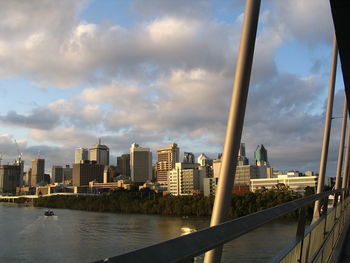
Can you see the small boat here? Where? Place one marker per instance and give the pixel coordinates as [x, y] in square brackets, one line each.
[49, 213]
[187, 230]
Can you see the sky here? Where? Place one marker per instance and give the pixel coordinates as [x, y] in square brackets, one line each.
[161, 71]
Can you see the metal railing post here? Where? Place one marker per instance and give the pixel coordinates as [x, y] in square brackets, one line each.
[345, 180]
[341, 145]
[327, 129]
[235, 121]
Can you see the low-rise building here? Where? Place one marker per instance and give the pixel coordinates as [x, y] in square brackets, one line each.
[295, 183]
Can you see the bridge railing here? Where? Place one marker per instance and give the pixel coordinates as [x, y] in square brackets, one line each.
[311, 244]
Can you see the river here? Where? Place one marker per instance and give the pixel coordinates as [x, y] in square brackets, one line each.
[78, 236]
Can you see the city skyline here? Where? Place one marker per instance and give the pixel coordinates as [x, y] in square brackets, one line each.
[153, 74]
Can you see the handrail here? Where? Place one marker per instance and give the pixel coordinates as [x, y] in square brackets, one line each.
[194, 244]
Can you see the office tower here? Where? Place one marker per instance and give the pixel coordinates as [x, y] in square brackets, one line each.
[10, 178]
[184, 178]
[123, 164]
[99, 153]
[242, 159]
[140, 163]
[81, 155]
[57, 174]
[38, 170]
[83, 173]
[260, 156]
[167, 158]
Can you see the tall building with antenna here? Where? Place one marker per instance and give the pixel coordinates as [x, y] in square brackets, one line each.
[99, 153]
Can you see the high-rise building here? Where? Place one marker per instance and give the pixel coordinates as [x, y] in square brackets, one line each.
[123, 164]
[167, 158]
[57, 174]
[140, 163]
[81, 155]
[10, 178]
[242, 158]
[83, 173]
[38, 170]
[184, 179]
[260, 156]
[99, 153]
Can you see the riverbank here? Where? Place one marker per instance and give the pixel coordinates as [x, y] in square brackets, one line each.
[148, 202]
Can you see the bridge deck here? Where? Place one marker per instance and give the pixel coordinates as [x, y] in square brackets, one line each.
[345, 253]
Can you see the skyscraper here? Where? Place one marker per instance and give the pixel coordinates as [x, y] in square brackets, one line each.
[167, 158]
[140, 163]
[38, 170]
[81, 155]
[260, 156]
[99, 153]
[242, 158]
[57, 174]
[123, 164]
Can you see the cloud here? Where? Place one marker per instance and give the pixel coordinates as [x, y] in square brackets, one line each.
[308, 21]
[179, 8]
[167, 77]
[39, 118]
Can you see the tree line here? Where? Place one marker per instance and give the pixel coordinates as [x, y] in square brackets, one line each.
[147, 201]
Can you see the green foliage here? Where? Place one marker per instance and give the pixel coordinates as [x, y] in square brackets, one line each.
[148, 202]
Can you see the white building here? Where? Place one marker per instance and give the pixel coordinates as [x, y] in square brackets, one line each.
[204, 160]
[140, 163]
[81, 155]
[295, 183]
[184, 179]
